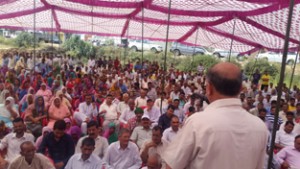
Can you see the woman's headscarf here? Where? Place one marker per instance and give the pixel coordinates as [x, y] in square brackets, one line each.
[56, 98]
[11, 100]
[46, 129]
[2, 96]
[39, 108]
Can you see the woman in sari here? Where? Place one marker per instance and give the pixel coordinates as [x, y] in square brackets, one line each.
[20, 65]
[29, 101]
[23, 89]
[8, 112]
[45, 131]
[57, 111]
[4, 94]
[36, 116]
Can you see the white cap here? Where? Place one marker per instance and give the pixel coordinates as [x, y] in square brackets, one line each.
[145, 116]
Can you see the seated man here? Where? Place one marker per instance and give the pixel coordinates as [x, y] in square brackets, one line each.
[30, 159]
[13, 140]
[156, 145]
[60, 145]
[285, 137]
[142, 133]
[170, 133]
[101, 143]
[87, 111]
[86, 159]
[289, 157]
[153, 162]
[110, 112]
[165, 119]
[123, 154]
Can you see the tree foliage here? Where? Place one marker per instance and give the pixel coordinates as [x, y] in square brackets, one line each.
[79, 48]
[24, 39]
[187, 64]
[261, 65]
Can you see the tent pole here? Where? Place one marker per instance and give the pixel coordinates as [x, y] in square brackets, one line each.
[34, 35]
[283, 63]
[52, 34]
[166, 52]
[195, 45]
[142, 37]
[294, 67]
[231, 43]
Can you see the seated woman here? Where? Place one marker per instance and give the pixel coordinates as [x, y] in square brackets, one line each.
[8, 112]
[29, 101]
[57, 111]
[36, 116]
[46, 130]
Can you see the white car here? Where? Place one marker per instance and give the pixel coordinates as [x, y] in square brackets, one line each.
[277, 57]
[136, 45]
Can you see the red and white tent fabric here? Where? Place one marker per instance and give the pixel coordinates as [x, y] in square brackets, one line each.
[258, 23]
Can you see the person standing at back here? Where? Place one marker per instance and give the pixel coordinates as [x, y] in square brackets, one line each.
[224, 135]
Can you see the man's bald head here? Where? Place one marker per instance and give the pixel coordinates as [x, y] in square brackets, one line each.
[226, 78]
[154, 161]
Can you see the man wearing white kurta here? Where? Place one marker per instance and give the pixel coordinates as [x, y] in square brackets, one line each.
[224, 135]
[87, 111]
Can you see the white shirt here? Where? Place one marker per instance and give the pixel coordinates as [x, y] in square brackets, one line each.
[76, 162]
[122, 106]
[12, 143]
[186, 90]
[140, 102]
[169, 134]
[126, 115]
[118, 158]
[153, 113]
[285, 139]
[101, 145]
[140, 135]
[157, 103]
[111, 111]
[89, 110]
[223, 136]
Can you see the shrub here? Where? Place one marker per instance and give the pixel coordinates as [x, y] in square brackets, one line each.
[24, 39]
[261, 65]
[79, 48]
[187, 64]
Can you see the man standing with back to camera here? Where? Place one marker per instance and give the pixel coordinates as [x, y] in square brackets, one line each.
[224, 135]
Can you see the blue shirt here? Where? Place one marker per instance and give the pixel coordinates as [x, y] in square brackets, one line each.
[59, 151]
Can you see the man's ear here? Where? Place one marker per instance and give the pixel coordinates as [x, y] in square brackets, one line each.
[209, 89]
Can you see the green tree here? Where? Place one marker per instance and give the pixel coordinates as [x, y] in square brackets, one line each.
[24, 39]
[79, 48]
[262, 65]
[187, 64]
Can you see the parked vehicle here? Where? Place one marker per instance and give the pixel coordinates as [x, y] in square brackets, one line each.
[219, 53]
[182, 49]
[277, 57]
[136, 45]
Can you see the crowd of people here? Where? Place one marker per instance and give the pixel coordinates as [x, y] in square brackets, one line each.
[60, 113]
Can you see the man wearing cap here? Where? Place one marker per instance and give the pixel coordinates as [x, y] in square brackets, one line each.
[137, 120]
[46, 93]
[142, 133]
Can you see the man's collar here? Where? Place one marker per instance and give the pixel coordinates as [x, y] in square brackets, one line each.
[15, 135]
[87, 160]
[119, 145]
